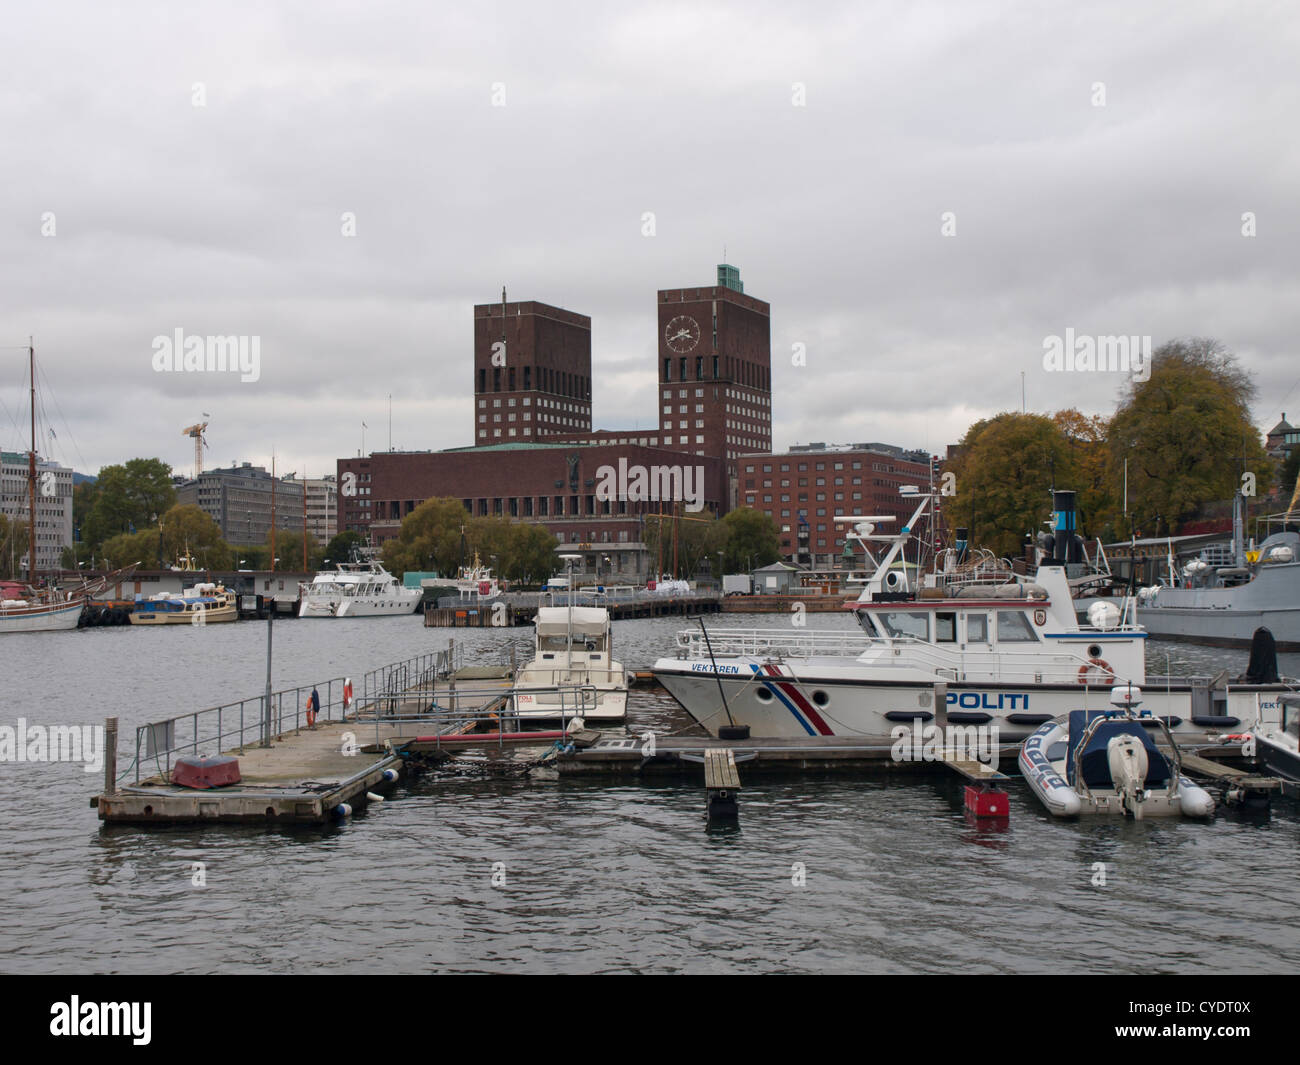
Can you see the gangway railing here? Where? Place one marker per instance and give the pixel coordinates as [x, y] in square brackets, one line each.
[244, 723]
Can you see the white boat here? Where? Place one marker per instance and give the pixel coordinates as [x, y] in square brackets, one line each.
[572, 667]
[474, 582]
[357, 589]
[203, 604]
[1010, 656]
[1278, 746]
[1106, 762]
[33, 614]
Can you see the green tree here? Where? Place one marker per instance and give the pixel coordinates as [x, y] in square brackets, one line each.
[189, 529]
[692, 538]
[1005, 470]
[1099, 492]
[13, 545]
[135, 495]
[339, 549]
[751, 540]
[288, 549]
[430, 538]
[1186, 433]
[127, 549]
[530, 554]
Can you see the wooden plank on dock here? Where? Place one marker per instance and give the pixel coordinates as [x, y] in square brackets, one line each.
[973, 769]
[1226, 774]
[720, 769]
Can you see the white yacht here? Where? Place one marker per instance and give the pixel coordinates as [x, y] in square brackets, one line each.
[572, 666]
[1014, 656]
[357, 589]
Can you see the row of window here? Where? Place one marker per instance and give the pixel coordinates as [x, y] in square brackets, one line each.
[558, 382]
[746, 373]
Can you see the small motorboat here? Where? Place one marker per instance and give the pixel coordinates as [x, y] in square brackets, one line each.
[204, 604]
[1106, 762]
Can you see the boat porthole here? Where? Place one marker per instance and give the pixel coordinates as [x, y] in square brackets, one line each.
[820, 697]
[763, 695]
[1094, 651]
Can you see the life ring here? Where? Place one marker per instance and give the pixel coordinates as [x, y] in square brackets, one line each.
[347, 692]
[1107, 674]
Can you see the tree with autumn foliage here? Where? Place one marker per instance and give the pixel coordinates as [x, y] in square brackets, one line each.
[1005, 470]
[1098, 491]
[1187, 434]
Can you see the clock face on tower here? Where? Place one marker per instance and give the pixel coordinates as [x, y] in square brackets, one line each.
[682, 334]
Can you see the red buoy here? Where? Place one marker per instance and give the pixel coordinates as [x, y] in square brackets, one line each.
[987, 802]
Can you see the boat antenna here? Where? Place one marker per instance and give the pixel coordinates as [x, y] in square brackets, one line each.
[569, 560]
[713, 662]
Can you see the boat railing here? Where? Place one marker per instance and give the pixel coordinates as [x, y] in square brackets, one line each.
[464, 709]
[692, 643]
[243, 723]
[600, 674]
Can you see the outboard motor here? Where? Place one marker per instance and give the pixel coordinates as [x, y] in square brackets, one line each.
[1127, 758]
[1262, 668]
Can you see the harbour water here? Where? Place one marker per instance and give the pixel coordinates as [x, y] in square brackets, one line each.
[466, 871]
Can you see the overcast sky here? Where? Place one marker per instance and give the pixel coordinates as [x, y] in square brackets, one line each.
[820, 145]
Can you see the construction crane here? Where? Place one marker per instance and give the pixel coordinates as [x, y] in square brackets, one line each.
[196, 431]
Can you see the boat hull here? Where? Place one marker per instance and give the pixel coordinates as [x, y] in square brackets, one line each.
[1228, 617]
[795, 698]
[41, 618]
[189, 617]
[1278, 757]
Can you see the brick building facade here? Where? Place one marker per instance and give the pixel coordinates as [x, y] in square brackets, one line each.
[802, 489]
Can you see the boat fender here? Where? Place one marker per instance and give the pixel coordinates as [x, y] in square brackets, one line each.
[374, 796]
[1099, 664]
[343, 810]
[1194, 801]
[390, 775]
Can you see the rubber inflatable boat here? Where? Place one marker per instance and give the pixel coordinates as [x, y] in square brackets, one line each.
[1106, 762]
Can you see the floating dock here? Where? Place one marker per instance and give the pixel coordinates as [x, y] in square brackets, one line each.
[431, 709]
[301, 778]
[501, 613]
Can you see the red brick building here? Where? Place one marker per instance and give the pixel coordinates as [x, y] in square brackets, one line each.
[555, 485]
[804, 488]
[534, 454]
[715, 370]
[532, 372]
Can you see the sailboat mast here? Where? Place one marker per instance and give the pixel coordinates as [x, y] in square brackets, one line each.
[272, 566]
[31, 473]
[304, 519]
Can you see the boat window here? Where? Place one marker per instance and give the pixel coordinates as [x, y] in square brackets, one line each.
[945, 627]
[1291, 720]
[1014, 627]
[898, 623]
[977, 628]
